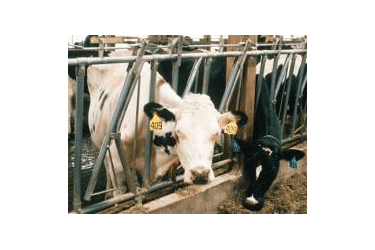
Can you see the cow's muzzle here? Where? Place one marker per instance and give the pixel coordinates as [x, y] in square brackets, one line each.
[199, 175]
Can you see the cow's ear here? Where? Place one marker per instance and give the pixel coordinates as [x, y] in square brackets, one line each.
[288, 154]
[152, 107]
[238, 116]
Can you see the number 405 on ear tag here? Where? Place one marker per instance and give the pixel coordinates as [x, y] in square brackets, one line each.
[155, 123]
[231, 128]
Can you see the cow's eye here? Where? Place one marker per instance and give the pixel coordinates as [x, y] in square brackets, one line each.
[179, 133]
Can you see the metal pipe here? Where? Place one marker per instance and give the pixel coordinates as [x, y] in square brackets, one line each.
[260, 81]
[233, 77]
[196, 81]
[124, 95]
[275, 67]
[239, 89]
[149, 135]
[103, 192]
[80, 73]
[176, 65]
[124, 59]
[298, 93]
[107, 203]
[132, 45]
[238, 76]
[192, 76]
[281, 76]
[129, 175]
[135, 143]
[129, 196]
[206, 75]
[113, 176]
[287, 94]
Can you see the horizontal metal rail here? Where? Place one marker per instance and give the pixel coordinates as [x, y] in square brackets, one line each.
[153, 188]
[125, 59]
[131, 46]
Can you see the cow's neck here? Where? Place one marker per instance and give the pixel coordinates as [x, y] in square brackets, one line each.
[266, 121]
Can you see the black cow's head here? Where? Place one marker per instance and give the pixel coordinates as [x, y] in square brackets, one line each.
[261, 165]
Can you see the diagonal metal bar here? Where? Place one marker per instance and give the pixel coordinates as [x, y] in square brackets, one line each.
[298, 93]
[281, 77]
[124, 95]
[192, 76]
[287, 94]
[233, 76]
[274, 69]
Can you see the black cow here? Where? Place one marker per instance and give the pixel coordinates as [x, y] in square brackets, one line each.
[262, 155]
[281, 94]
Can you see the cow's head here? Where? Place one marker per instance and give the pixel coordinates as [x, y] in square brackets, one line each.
[190, 130]
[261, 165]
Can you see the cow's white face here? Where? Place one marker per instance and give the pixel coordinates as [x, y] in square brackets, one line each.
[195, 125]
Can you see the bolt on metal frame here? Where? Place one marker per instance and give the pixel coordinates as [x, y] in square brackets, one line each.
[128, 87]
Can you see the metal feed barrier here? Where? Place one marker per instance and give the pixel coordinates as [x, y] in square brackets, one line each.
[219, 161]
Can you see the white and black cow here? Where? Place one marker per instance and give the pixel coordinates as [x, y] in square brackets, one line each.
[189, 131]
[263, 153]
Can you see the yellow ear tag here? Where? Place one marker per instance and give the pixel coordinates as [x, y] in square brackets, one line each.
[156, 124]
[231, 128]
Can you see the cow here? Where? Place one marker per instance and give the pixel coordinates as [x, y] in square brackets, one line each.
[263, 153]
[72, 74]
[190, 126]
[279, 104]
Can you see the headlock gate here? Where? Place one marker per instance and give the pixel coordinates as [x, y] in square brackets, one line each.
[280, 90]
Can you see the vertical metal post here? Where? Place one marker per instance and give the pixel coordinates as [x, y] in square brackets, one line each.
[287, 94]
[206, 76]
[176, 65]
[154, 68]
[298, 93]
[80, 73]
[260, 80]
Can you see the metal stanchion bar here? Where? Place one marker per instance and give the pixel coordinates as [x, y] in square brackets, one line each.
[192, 76]
[80, 72]
[287, 94]
[124, 95]
[233, 76]
[124, 59]
[129, 175]
[206, 75]
[274, 69]
[149, 135]
[260, 80]
[176, 65]
[113, 176]
[298, 93]
[281, 76]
